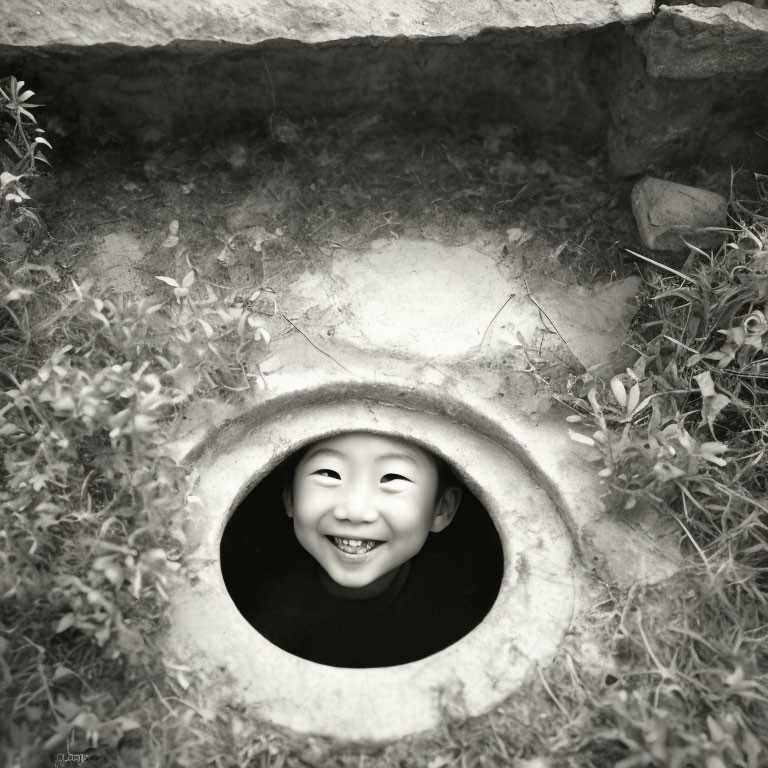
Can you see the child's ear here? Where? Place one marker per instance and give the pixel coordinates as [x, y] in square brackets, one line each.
[288, 499]
[446, 508]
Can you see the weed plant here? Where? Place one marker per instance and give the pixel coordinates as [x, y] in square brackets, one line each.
[21, 140]
[92, 507]
[685, 432]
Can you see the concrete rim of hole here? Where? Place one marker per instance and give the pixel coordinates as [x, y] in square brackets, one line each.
[532, 612]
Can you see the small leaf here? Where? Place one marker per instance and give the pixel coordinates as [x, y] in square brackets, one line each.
[207, 328]
[735, 679]
[168, 281]
[17, 294]
[189, 279]
[41, 140]
[65, 622]
[241, 323]
[706, 385]
[712, 407]
[716, 732]
[173, 227]
[126, 723]
[633, 398]
[712, 452]
[579, 438]
[61, 672]
[28, 114]
[618, 390]
[171, 241]
[8, 178]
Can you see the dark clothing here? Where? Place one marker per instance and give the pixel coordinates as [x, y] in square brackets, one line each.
[435, 599]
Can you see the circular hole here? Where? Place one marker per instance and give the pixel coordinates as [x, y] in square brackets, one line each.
[433, 600]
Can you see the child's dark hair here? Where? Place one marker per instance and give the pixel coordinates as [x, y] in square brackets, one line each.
[445, 475]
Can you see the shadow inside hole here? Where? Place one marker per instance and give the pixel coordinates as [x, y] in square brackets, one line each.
[259, 541]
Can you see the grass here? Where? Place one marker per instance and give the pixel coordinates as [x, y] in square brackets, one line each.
[672, 674]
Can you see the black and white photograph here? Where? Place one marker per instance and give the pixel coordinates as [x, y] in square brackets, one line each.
[383, 384]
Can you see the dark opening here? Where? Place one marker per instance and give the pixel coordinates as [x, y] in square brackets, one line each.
[444, 592]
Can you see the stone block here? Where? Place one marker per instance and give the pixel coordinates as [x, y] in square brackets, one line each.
[249, 22]
[668, 214]
[690, 42]
[715, 3]
[653, 121]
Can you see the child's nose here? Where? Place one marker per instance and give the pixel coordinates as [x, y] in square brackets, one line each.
[357, 506]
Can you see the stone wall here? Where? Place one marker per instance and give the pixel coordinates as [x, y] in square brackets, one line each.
[685, 85]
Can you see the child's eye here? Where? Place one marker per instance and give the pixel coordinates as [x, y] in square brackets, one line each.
[391, 477]
[327, 473]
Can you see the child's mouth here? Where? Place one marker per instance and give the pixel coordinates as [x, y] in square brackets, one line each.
[354, 546]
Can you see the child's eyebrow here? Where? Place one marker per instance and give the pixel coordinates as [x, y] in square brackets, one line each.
[324, 452]
[404, 456]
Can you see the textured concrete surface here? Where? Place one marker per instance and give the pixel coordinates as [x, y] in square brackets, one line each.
[692, 43]
[592, 321]
[247, 22]
[430, 301]
[519, 462]
[670, 214]
[417, 348]
[532, 612]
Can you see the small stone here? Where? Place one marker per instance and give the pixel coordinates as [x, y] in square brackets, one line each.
[667, 214]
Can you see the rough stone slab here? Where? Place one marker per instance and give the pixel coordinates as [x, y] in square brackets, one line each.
[422, 299]
[689, 42]
[417, 295]
[248, 22]
[667, 213]
[593, 321]
[715, 3]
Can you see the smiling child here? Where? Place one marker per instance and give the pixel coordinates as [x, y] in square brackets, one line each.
[371, 586]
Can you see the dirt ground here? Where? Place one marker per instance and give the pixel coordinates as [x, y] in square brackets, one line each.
[253, 210]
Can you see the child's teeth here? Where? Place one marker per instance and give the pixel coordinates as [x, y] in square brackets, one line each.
[354, 546]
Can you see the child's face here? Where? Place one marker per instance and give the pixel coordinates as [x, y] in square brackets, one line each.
[363, 504]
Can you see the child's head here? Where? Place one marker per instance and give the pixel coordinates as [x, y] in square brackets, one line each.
[364, 504]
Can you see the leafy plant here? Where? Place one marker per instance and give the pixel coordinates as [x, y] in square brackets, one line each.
[685, 431]
[21, 135]
[92, 508]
